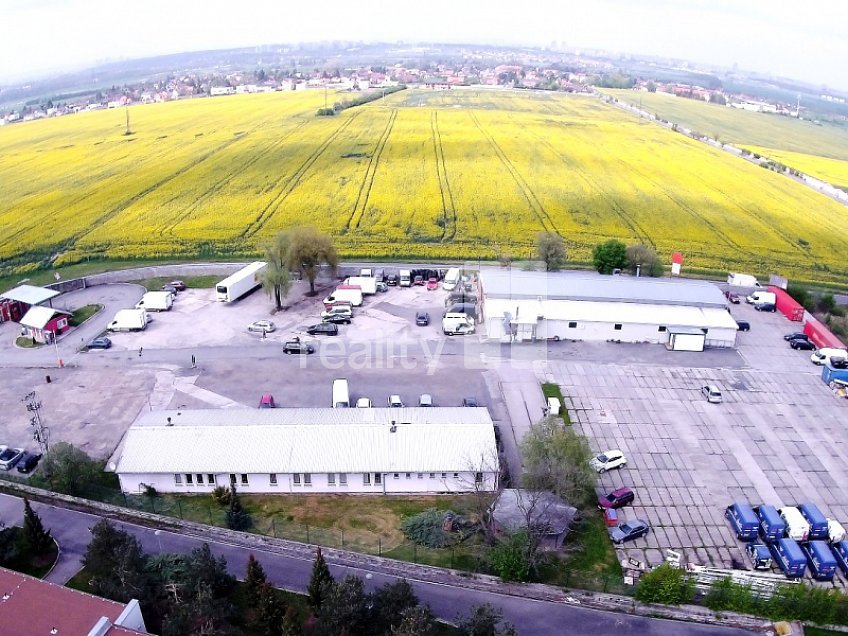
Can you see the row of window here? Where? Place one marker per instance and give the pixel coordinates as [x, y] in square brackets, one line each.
[300, 479]
[616, 326]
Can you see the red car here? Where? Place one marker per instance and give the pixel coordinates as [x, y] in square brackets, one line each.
[432, 283]
[267, 402]
[618, 498]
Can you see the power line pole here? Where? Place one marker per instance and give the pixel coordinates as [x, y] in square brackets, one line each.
[41, 433]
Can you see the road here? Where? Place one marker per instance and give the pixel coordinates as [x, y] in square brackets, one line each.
[71, 529]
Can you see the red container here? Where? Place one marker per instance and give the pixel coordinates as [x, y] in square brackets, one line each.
[787, 305]
[820, 335]
[611, 517]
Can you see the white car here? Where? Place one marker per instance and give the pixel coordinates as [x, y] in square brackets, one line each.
[823, 356]
[712, 394]
[425, 400]
[395, 402]
[364, 403]
[9, 457]
[262, 325]
[608, 460]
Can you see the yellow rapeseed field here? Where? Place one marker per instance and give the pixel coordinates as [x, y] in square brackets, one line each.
[422, 174]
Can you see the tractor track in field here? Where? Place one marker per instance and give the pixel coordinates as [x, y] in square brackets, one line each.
[529, 196]
[291, 182]
[170, 227]
[634, 227]
[448, 206]
[367, 183]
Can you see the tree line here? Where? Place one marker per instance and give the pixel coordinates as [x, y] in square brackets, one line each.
[607, 257]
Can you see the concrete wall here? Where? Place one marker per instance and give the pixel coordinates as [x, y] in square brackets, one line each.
[132, 483]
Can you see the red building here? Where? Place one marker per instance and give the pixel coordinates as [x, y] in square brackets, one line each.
[45, 323]
[16, 302]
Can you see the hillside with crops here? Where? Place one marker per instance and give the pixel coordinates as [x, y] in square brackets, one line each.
[459, 174]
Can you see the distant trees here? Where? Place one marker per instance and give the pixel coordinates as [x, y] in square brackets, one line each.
[550, 249]
[652, 88]
[308, 250]
[609, 255]
[644, 260]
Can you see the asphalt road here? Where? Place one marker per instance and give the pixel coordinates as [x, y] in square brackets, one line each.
[71, 529]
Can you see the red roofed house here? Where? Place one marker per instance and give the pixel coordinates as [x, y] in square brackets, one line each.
[45, 323]
[34, 607]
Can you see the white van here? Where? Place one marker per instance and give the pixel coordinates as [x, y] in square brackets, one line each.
[797, 527]
[457, 324]
[341, 395]
[759, 297]
[823, 356]
[451, 279]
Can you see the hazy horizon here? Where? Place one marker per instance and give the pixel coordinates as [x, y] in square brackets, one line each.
[767, 37]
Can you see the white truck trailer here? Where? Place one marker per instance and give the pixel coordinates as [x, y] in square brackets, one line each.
[368, 284]
[156, 301]
[742, 280]
[241, 283]
[129, 320]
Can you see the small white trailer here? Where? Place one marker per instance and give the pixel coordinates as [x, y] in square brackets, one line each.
[129, 320]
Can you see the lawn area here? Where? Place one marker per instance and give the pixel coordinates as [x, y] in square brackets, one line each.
[84, 313]
[553, 390]
[25, 342]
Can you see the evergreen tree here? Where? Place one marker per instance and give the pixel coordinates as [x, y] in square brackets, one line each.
[291, 624]
[36, 538]
[320, 584]
[237, 518]
[270, 612]
[254, 580]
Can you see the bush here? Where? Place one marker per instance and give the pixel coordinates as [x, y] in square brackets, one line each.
[510, 558]
[665, 584]
[727, 595]
[826, 303]
[801, 294]
[221, 496]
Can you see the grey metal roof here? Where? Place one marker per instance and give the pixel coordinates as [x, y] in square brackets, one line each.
[30, 294]
[519, 284]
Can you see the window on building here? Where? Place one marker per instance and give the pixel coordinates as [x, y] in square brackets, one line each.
[272, 479]
[178, 479]
[456, 475]
[617, 326]
[296, 479]
[342, 479]
[661, 328]
[307, 479]
[244, 481]
[232, 479]
[444, 475]
[189, 479]
[366, 479]
[420, 475]
[210, 479]
[408, 475]
[199, 479]
[478, 478]
[331, 479]
[397, 475]
[572, 325]
[378, 479]
[432, 475]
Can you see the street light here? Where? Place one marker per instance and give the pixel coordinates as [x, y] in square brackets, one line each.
[158, 534]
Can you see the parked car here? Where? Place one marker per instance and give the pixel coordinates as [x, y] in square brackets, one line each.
[732, 297]
[382, 286]
[262, 325]
[712, 394]
[796, 335]
[470, 402]
[395, 402]
[418, 280]
[323, 329]
[825, 354]
[743, 325]
[629, 530]
[169, 288]
[392, 280]
[432, 283]
[771, 307]
[100, 343]
[608, 460]
[803, 345]
[267, 402]
[296, 346]
[364, 403]
[337, 318]
[422, 318]
[28, 462]
[425, 400]
[338, 310]
[618, 498]
[178, 285]
[9, 457]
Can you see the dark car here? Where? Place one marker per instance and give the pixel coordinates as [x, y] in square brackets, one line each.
[169, 288]
[100, 343]
[337, 319]
[803, 345]
[618, 498]
[732, 297]
[178, 285]
[422, 318]
[765, 307]
[392, 280]
[382, 286]
[743, 325]
[28, 462]
[323, 329]
[296, 346]
[470, 401]
[418, 280]
[629, 530]
[796, 335]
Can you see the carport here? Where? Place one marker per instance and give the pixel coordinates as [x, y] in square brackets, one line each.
[16, 302]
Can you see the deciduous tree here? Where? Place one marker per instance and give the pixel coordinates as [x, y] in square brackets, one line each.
[308, 250]
[609, 255]
[276, 280]
[484, 620]
[68, 469]
[550, 249]
[644, 260]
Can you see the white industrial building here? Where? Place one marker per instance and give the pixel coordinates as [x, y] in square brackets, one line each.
[682, 314]
[326, 450]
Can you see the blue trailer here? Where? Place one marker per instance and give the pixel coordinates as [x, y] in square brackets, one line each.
[772, 526]
[830, 373]
[744, 520]
[818, 522]
[821, 560]
[789, 557]
[840, 551]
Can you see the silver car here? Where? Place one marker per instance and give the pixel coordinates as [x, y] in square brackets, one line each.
[712, 394]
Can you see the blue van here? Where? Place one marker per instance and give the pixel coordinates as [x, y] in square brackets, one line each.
[772, 527]
[744, 520]
[818, 522]
[821, 560]
[840, 551]
[789, 557]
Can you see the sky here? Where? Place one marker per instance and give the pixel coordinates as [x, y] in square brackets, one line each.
[801, 40]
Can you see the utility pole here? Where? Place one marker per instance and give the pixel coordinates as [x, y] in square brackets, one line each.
[41, 433]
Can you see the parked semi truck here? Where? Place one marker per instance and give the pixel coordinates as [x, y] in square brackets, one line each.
[241, 283]
[742, 280]
[156, 301]
[129, 320]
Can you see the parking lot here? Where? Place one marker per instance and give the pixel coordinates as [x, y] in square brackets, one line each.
[778, 437]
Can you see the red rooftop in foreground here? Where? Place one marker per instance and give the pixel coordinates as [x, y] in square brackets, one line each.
[32, 607]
